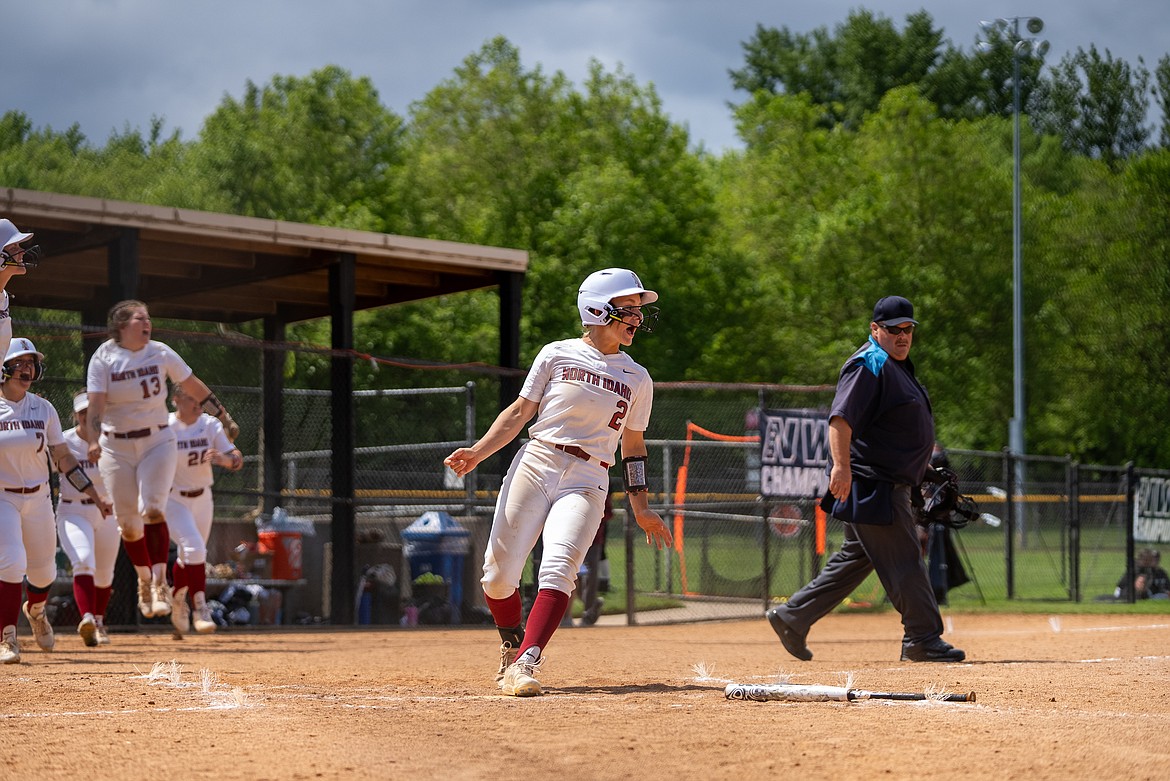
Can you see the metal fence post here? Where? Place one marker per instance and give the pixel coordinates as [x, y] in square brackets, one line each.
[668, 495]
[1130, 489]
[1074, 529]
[631, 608]
[1009, 478]
[470, 480]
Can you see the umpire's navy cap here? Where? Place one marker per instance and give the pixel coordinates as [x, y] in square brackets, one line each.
[893, 310]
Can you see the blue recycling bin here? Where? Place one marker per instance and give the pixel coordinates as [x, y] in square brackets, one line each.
[436, 543]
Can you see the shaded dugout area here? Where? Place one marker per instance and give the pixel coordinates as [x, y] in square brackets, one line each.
[220, 268]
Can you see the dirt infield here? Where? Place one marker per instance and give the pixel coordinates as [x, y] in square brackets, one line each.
[1067, 697]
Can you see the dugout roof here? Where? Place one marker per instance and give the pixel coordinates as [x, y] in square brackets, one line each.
[204, 266]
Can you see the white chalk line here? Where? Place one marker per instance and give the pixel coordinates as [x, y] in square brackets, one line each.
[204, 685]
[1053, 625]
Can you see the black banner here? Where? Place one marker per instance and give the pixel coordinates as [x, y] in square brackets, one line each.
[794, 453]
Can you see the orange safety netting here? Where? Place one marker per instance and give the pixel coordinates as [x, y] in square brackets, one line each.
[680, 490]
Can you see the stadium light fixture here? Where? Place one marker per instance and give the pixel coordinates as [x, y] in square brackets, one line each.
[1008, 30]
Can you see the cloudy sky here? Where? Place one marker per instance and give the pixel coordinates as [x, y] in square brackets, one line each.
[109, 64]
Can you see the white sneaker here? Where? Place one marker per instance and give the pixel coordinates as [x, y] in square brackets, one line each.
[42, 629]
[180, 612]
[88, 630]
[100, 633]
[160, 599]
[507, 656]
[519, 680]
[202, 617]
[145, 599]
[9, 646]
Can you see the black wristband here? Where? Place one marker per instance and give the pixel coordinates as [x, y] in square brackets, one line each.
[634, 474]
[78, 478]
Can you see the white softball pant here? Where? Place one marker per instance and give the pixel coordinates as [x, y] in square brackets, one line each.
[28, 538]
[189, 521]
[138, 470]
[90, 541]
[547, 490]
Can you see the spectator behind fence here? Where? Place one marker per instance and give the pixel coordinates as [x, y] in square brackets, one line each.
[1150, 581]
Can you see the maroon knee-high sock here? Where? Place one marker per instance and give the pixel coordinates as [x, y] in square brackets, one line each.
[547, 611]
[9, 602]
[507, 612]
[37, 595]
[179, 576]
[83, 593]
[158, 542]
[196, 579]
[101, 599]
[137, 551]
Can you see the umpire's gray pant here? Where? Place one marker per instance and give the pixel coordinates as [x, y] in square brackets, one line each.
[894, 551]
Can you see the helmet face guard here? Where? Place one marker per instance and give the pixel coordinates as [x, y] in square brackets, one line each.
[11, 236]
[649, 314]
[17, 349]
[601, 287]
[30, 258]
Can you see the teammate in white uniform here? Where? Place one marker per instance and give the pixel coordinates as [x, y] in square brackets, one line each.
[586, 395]
[135, 446]
[15, 261]
[28, 537]
[88, 536]
[201, 442]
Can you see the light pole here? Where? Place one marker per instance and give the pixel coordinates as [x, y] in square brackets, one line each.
[1009, 29]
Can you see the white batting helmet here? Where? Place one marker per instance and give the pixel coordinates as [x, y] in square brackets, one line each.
[22, 346]
[10, 234]
[601, 287]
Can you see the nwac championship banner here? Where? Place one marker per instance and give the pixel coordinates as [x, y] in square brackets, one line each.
[794, 453]
[1151, 510]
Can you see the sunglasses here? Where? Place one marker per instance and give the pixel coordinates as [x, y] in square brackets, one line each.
[898, 329]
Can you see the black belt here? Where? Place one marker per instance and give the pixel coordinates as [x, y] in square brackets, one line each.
[192, 494]
[79, 501]
[580, 453]
[32, 490]
[137, 433]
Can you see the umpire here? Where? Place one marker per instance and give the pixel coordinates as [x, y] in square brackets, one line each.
[881, 435]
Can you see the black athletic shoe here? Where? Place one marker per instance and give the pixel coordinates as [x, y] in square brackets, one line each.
[792, 640]
[936, 650]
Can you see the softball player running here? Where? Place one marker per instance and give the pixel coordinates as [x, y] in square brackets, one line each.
[134, 445]
[201, 442]
[28, 540]
[15, 261]
[88, 536]
[586, 395]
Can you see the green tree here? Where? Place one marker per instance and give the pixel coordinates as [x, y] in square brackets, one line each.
[582, 179]
[1096, 104]
[847, 72]
[1162, 95]
[320, 149]
[131, 167]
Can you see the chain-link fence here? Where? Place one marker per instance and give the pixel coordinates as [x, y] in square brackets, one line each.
[1049, 529]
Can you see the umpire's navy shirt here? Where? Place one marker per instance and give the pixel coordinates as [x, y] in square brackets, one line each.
[890, 414]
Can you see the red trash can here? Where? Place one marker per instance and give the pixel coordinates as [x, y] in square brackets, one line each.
[286, 551]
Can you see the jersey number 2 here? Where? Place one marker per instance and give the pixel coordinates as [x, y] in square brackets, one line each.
[616, 421]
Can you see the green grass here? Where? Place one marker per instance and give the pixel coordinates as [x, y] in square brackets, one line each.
[729, 563]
